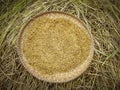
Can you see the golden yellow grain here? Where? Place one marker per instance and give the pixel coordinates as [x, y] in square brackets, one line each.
[55, 45]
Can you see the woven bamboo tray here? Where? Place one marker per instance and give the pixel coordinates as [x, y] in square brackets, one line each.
[55, 47]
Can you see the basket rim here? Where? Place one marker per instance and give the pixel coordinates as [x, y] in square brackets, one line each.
[62, 78]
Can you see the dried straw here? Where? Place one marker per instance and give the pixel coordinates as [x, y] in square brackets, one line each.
[101, 17]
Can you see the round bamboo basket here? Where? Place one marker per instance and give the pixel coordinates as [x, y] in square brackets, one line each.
[55, 47]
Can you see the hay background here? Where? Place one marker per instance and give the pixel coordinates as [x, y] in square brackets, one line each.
[102, 18]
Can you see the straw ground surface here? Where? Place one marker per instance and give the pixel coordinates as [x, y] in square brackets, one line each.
[102, 18]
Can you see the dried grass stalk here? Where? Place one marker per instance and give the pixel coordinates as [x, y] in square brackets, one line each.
[101, 17]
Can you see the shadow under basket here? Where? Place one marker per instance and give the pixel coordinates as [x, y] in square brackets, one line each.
[55, 47]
